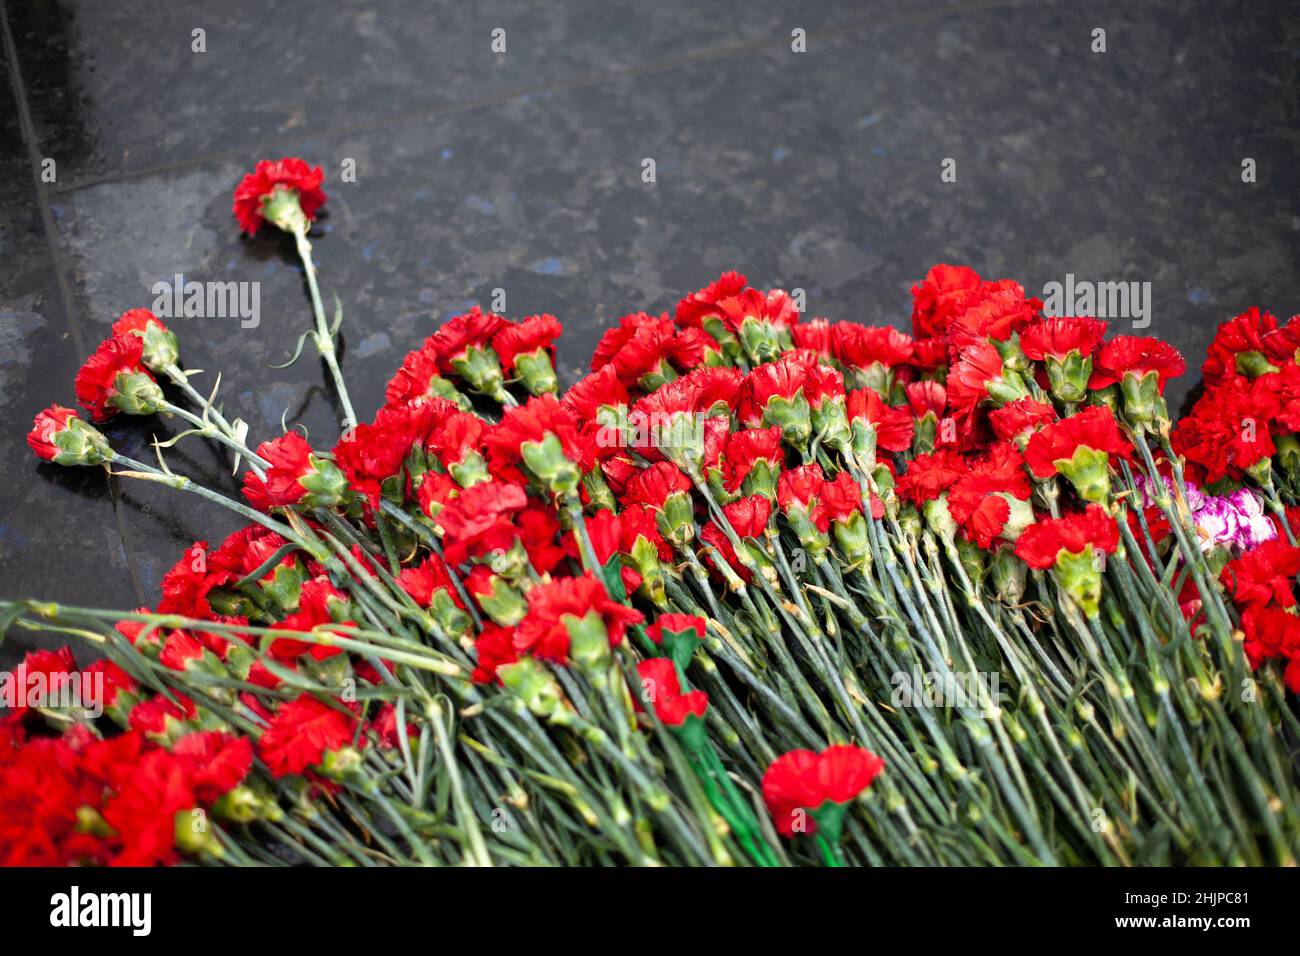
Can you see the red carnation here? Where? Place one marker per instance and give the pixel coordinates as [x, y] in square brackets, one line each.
[159, 348]
[893, 426]
[1264, 575]
[1088, 531]
[661, 688]
[652, 486]
[480, 519]
[544, 630]
[290, 460]
[1135, 355]
[775, 308]
[472, 329]
[290, 174]
[1227, 432]
[935, 298]
[1021, 419]
[114, 379]
[862, 346]
[493, 648]
[1094, 427]
[600, 389]
[749, 446]
[802, 780]
[1241, 346]
[656, 332]
[1058, 336]
[748, 516]
[929, 476]
[698, 306]
[992, 313]
[301, 733]
[531, 334]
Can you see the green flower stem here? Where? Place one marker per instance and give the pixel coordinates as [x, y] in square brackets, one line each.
[181, 483]
[322, 337]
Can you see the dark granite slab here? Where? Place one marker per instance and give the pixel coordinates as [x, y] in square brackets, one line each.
[522, 172]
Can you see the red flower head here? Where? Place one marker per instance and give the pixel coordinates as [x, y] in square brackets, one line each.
[929, 354]
[481, 519]
[370, 454]
[654, 485]
[144, 811]
[423, 581]
[494, 647]
[1134, 355]
[926, 398]
[1241, 346]
[978, 376]
[816, 335]
[841, 500]
[893, 426]
[159, 348]
[936, 297]
[992, 500]
[639, 349]
[538, 440]
[1080, 447]
[1272, 633]
[1264, 575]
[415, 379]
[295, 476]
[318, 603]
[862, 346]
[648, 336]
[600, 389]
[693, 348]
[698, 306]
[554, 607]
[1058, 336]
[661, 688]
[38, 667]
[748, 447]
[1018, 421]
[775, 308]
[58, 435]
[800, 487]
[805, 781]
[929, 476]
[993, 313]
[301, 733]
[748, 516]
[274, 190]
[114, 380]
[535, 333]
[1042, 542]
[217, 762]
[783, 378]
[1228, 431]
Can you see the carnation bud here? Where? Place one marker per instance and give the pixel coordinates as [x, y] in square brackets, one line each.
[281, 208]
[530, 681]
[1080, 576]
[536, 372]
[60, 436]
[136, 393]
[1068, 377]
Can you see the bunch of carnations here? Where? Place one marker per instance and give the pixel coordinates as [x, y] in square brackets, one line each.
[759, 590]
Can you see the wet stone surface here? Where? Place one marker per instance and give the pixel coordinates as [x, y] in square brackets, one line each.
[522, 171]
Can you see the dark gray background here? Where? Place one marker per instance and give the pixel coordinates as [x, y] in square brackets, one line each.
[476, 171]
